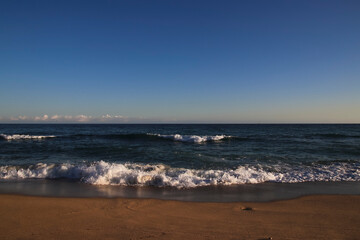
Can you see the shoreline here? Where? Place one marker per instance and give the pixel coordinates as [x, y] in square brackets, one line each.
[308, 217]
[181, 201]
[262, 192]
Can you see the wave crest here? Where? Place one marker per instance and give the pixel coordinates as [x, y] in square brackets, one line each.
[23, 136]
[132, 136]
[192, 138]
[131, 174]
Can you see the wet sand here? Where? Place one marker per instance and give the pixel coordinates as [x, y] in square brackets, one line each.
[309, 217]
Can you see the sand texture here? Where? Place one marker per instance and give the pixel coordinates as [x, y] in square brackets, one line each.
[311, 217]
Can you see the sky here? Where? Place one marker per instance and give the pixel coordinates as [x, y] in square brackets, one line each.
[180, 61]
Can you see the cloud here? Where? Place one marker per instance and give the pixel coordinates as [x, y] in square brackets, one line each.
[81, 118]
[19, 118]
[107, 118]
[43, 118]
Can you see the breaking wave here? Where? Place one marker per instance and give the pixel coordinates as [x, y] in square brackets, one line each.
[159, 175]
[129, 137]
[172, 137]
[23, 136]
[192, 138]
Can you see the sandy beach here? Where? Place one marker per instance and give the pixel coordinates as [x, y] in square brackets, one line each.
[310, 217]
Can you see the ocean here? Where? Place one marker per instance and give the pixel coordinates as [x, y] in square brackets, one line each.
[180, 161]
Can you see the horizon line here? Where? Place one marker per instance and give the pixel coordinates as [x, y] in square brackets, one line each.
[172, 123]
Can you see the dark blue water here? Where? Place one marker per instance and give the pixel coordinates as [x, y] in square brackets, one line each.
[182, 156]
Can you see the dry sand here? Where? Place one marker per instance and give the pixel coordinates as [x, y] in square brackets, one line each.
[311, 217]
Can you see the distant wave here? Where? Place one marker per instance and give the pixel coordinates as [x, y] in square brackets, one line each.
[159, 175]
[129, 136]
[192, 138]
[172, 137]
[23, 136]
[153, 137]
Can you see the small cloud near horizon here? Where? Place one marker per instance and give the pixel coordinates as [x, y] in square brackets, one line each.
[107, 118]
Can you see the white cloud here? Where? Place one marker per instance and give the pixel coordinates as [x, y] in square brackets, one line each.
[83, 118]
[41, 118]
[110, 118]
[57, 118]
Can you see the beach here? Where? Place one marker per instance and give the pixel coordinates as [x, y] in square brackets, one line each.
[162, 120]
[190, 181]
[308, 217]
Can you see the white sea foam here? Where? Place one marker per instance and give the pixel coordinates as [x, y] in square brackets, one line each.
[192, 138]
[130, 174]
[22, 136]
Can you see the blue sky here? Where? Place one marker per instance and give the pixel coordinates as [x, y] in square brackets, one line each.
[180, 61]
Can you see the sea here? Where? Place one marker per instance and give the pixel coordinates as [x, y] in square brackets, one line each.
[191, 162]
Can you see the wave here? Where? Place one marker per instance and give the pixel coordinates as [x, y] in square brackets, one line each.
[130, 137]
[159, 175]
[192, 138]
[171, 137]
[154, 136]
[23, 136]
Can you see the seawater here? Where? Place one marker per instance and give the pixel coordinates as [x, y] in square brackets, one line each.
[183, 156]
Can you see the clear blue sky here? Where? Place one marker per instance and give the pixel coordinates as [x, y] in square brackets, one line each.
[180, 61]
